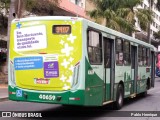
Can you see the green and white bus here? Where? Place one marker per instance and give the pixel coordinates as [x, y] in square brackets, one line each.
[73, 61]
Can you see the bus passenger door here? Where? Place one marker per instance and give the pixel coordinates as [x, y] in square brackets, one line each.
[134, 68]
[108, 68]
[152, 69]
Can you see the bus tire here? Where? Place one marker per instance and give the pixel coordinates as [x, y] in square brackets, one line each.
[144, 94]
[119, 97]
[148, 84]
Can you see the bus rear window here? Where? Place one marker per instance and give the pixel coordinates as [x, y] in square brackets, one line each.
[61, 29]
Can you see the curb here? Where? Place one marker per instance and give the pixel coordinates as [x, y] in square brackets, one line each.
[3, 99]
[3, 87]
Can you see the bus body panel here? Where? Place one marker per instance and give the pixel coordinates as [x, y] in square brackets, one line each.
[94, 86]
[123, 73]
[52, 97]
[143, 75]
[50, 66]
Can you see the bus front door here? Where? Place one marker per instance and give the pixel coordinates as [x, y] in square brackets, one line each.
[134, 68]
[108, 68]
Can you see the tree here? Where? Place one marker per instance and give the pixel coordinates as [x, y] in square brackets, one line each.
[4, 6]
[144, 15]
[121, 13]
[149, 24]
[106, 9]
[158, 5]
[41, 7]
[157, 35]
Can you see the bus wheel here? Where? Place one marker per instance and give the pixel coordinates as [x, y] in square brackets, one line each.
[119, 97]
[148, 84]
[144, 94]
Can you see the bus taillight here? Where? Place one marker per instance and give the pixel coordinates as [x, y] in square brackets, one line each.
[12, 93]
[74, 98]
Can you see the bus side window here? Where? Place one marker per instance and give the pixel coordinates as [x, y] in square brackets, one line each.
[143, 56]
[119, 51]
[140, 58]
[148, 57]
[94, 47]
[127, 58]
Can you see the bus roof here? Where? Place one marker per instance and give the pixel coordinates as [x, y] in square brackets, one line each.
[47, 18]
[90, 23]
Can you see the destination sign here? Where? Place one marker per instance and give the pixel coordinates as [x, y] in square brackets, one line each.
[61, 29]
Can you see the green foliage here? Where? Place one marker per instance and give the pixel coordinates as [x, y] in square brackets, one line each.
[107, 9]
[144, 16]
[157, 35]
[4, 5]
[158, 5]
[3, 24]
[41, 7]
[120, 14]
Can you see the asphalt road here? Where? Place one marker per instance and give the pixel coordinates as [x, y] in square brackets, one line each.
[149, 103]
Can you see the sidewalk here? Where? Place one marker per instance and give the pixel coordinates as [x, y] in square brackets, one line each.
[3, 93]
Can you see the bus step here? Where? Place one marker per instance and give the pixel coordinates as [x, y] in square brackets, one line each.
[133, 95]
[104, 103]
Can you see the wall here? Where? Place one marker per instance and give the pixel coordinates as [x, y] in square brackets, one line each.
[70, 6]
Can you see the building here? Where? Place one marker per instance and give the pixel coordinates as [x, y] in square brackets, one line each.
[154, 26]
[71, 8]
